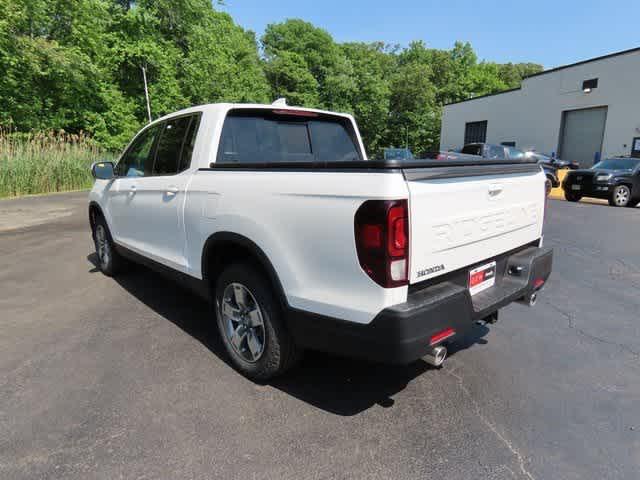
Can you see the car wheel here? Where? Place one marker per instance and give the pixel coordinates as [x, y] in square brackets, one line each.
[621, 196]
[251, 324]
[548, 185]
[109, 260]
[572, 197]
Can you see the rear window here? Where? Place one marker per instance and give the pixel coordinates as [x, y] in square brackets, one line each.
[258, 136]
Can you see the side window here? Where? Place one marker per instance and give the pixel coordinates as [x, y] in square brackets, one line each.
[189, 143]
[515, 154]
[169, 149]
[494, 152]
[137, 160]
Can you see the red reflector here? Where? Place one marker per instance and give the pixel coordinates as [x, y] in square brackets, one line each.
[296, 113]
[443, 335]
[538, 283]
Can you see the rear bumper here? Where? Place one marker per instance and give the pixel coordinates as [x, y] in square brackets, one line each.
[402, 333]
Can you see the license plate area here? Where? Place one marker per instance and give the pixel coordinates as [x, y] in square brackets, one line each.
[575, 187]
[482, 277]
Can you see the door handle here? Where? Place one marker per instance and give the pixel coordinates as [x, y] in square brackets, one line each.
[172, 190]
[495, 190]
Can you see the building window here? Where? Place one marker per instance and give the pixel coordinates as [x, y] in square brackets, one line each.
[589, 85]
[475, 132]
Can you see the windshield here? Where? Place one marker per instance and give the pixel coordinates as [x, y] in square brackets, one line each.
[617, 164]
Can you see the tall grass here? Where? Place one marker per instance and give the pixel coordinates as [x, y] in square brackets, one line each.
[46, 162]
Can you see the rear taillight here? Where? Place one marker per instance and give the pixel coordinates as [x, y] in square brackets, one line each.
[382, 241]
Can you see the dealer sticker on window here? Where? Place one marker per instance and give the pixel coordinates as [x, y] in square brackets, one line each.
[481, 278]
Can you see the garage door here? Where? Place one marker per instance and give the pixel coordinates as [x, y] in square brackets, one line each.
[582, 133]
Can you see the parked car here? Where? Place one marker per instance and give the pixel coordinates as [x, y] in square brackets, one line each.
[553, 162]
[614, 179]
[486, 150]
[503, 152]
[276, 215]
[397, 154]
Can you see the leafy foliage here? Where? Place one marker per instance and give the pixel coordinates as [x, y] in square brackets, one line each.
[76, 65]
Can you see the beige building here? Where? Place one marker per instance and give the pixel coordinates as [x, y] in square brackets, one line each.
[582, 112]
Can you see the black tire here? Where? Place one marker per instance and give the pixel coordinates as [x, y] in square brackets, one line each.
[110, 261]
[620, 197]
[572, 197]
[253, 330]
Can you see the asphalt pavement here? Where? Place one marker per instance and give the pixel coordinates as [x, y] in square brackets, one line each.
[126, 378]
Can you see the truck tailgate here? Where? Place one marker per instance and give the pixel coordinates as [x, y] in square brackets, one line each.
[460, 216]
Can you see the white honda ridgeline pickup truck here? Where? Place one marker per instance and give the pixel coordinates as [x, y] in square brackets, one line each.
[275, 214]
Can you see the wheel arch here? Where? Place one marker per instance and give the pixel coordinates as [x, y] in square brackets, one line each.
[94, 211]
[223, 248]
[627, 183]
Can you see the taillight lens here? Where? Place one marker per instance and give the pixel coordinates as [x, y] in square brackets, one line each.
[382, 241]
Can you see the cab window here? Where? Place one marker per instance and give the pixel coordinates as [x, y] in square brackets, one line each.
[175, 145]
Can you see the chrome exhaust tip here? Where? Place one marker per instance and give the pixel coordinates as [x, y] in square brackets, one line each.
[437, 356]
[529, 300]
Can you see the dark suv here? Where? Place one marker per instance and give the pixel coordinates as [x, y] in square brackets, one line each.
[613, 179]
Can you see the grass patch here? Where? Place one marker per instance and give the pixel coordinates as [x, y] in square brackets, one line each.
[45, 162]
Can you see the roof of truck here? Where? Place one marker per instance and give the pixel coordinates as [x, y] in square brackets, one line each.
[223, 108]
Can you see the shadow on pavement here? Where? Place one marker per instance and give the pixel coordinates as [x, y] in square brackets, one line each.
[341, 386]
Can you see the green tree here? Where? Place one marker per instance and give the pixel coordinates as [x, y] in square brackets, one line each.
[414, 117]
[513, 73]
[75, 65]
[372, 66]
[289, 76]
[310, 47]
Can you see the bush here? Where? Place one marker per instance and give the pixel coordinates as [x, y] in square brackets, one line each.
[46, 162]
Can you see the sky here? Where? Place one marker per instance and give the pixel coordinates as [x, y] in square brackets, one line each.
[550, 33]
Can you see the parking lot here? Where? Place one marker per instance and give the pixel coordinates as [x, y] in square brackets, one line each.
[126, 378]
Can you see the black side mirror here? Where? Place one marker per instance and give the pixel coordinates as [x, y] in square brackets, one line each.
[102, 170]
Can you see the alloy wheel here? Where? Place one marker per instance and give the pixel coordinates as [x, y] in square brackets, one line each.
[621, 196]
[102, 246]
[243, 322]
